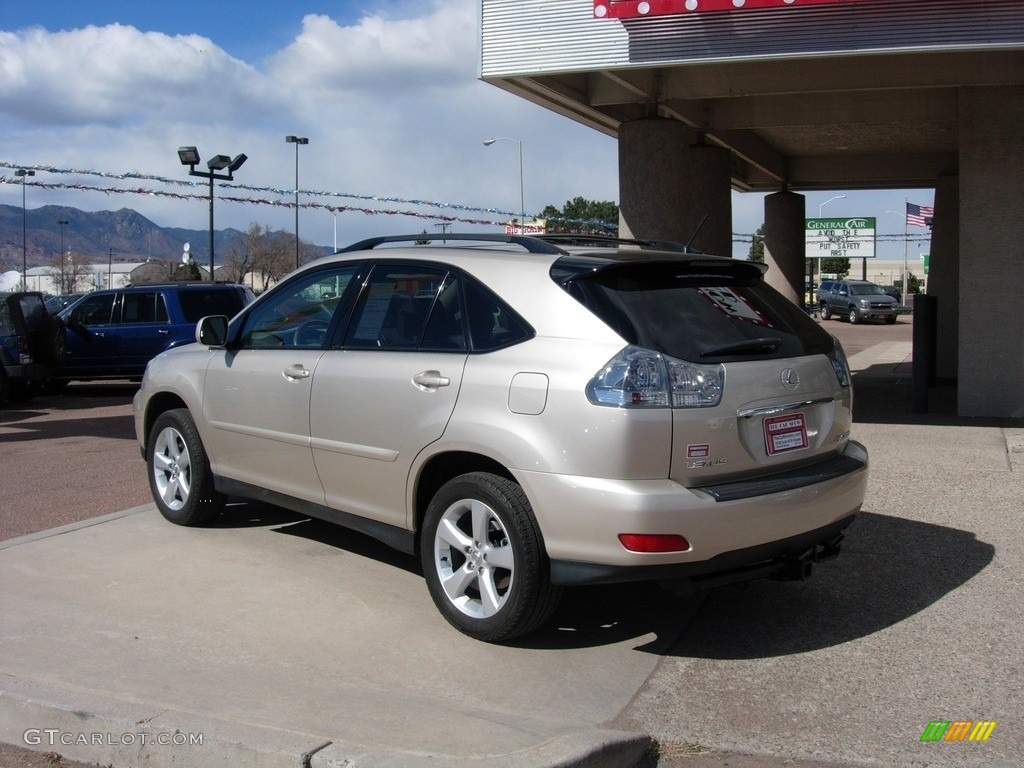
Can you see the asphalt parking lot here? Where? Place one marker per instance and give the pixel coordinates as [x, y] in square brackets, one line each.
[910, 625]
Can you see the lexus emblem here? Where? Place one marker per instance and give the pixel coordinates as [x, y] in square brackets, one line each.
[790, 379]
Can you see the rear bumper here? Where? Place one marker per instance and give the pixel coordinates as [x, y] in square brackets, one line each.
[733, 533]
[787, 559]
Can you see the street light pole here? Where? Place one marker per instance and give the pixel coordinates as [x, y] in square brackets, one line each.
[24, 227]
[63, 275]
[297, 140]
[904, 288]
[837, 197]
[190, 156]
[522, 199]
[820, 206]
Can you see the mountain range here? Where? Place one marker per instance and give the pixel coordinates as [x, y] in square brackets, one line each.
[124, 235]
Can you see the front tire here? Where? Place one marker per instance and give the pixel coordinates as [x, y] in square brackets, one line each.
[179, 472]
[854, 316]
[484, 560]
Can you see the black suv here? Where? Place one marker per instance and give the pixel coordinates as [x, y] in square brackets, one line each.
[31, 345]
[114, 333]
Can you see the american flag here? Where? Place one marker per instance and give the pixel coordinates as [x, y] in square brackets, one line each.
[920, 215]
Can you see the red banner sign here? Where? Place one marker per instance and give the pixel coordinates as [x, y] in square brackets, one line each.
[636, 9]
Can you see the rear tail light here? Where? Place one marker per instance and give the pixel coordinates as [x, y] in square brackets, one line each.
[642, 378]
[840, 364]
[24, 353]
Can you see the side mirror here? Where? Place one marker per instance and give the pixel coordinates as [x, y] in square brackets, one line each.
[212, 331]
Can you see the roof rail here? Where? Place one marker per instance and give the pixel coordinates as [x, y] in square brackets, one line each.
[530, 244]
[608, 240]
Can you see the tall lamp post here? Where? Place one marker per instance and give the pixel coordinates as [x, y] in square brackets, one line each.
[63, 276]
[905, 280]
[297, 140]
[820, 206]
[24, 227]
[522, 203]
[190, 156]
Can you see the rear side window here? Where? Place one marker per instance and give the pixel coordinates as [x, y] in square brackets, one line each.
[698, 312]
[147, 307]
[33, 310]
[199, 303]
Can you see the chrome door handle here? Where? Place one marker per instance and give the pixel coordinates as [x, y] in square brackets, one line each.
[296, 372]
[430, 380]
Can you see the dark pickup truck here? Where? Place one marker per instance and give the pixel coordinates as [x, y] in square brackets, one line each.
[31, 345]
[114, 333]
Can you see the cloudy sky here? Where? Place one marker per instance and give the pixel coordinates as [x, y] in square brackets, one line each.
[387, 91]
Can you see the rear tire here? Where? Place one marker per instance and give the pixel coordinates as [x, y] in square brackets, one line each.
[179, 472]
[825, 312]
[484, 560]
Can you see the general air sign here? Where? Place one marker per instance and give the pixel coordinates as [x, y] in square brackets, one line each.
[847, 238]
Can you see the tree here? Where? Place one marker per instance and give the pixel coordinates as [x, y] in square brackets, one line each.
[580, 216]
[68, 275]
[756, 252]
[835, 266]
[262, 252]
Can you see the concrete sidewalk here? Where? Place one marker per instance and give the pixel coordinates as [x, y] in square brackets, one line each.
[283, 642]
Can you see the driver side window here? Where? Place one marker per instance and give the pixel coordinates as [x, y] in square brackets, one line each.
[299, 316]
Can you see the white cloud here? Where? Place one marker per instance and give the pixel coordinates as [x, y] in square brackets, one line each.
[383, 58]
[392, 107]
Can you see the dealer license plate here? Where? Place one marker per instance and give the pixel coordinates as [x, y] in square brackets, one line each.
[785, 433]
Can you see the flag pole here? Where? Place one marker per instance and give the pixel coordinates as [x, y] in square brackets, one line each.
[906, 237]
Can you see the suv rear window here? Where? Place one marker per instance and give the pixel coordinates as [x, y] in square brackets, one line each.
[199, 303]
[698, 311]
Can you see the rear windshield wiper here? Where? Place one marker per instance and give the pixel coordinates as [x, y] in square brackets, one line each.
[763, 346]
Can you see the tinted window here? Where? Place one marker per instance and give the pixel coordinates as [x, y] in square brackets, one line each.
[148, 307]
[95, 310]
[300, 312]
[492, 324]
[696, 313]
[33, 310]
[199, 303]
[394, 305]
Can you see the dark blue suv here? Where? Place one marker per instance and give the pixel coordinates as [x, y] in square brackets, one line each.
[114, 333]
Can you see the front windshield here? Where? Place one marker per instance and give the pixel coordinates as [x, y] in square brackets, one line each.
[870, 289]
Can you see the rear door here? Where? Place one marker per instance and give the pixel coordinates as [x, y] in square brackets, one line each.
[144, 330]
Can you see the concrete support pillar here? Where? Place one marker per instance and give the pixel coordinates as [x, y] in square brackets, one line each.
[784, 243]
[667, 186]
[944, 274]
[991, 362]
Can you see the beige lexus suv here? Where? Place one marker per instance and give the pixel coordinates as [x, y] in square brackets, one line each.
[523, 414]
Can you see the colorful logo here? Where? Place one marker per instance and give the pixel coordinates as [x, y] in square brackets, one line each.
[958, 730]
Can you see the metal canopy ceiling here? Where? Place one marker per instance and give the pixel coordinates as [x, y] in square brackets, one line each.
[879, 118]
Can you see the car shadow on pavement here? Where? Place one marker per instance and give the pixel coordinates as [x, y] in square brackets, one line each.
[113, 427]
[889, 570]
[240, 513]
